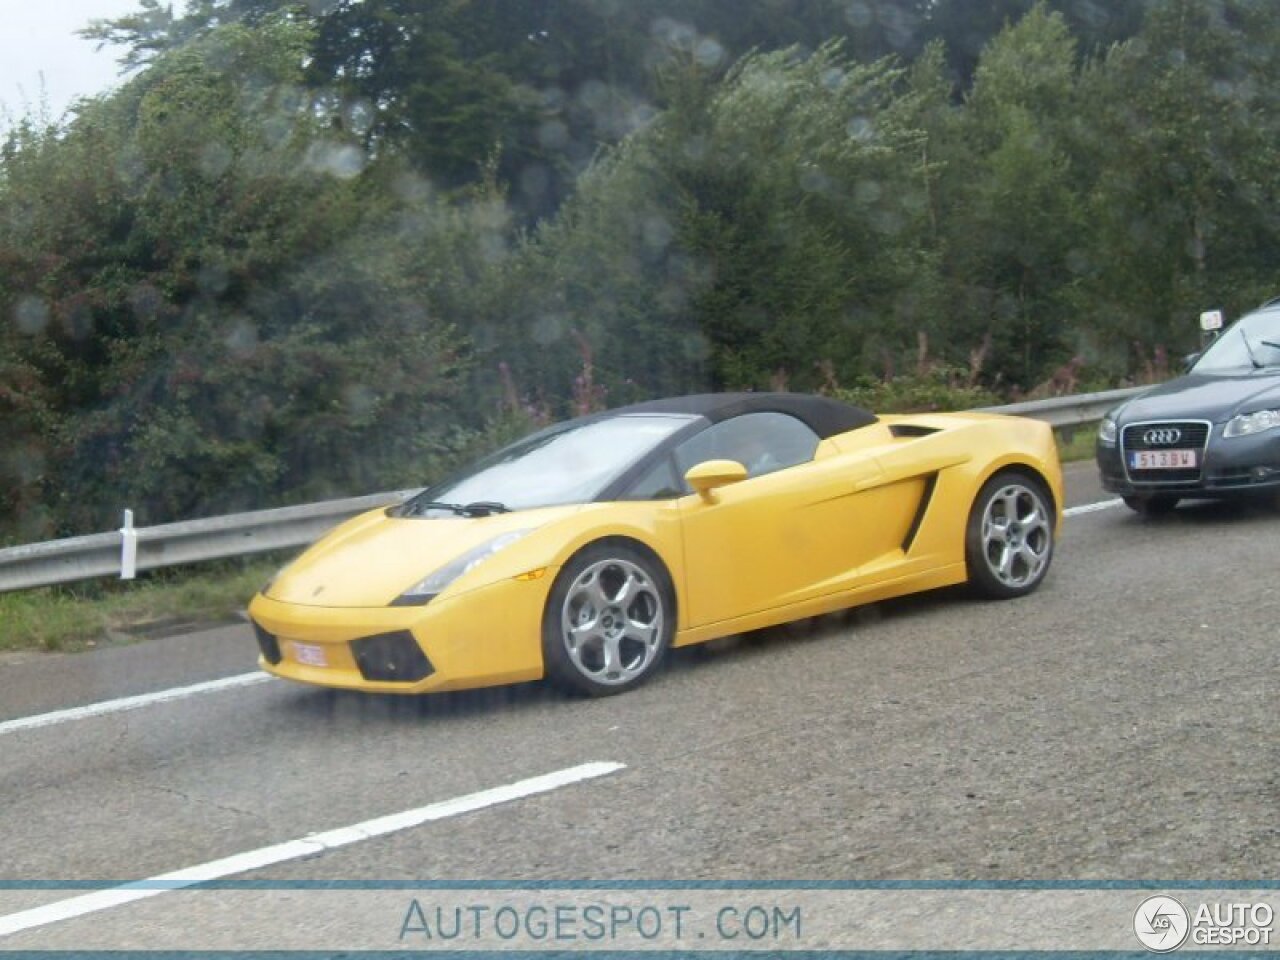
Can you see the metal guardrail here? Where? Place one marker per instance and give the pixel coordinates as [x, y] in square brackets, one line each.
[171, 544]
[1062, 412]
[146, 548]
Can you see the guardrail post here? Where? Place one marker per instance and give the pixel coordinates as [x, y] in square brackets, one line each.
[128, 548]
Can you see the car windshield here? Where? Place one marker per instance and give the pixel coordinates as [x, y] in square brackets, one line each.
[1251, 343]
[567, 463]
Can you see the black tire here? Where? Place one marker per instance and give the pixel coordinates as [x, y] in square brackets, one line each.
[1152, 505]
[1009, 536]
[595, 640]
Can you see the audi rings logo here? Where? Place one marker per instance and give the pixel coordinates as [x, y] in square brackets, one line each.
[1162, 436]
[1161, 923]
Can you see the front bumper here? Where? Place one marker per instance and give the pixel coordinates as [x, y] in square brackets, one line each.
[488, 636]
[1239, 466]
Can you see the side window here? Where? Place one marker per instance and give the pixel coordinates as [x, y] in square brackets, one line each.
[660, 483]
[761, 442]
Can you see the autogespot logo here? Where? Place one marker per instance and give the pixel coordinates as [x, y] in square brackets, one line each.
[1161, 924]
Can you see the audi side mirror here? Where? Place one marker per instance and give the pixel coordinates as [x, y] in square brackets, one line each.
[1210, 325]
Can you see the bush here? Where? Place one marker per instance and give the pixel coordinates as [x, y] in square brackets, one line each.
[941, 389]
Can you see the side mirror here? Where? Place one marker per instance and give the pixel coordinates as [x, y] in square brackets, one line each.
[706, 476]
[1189, 361]
[1210, 324]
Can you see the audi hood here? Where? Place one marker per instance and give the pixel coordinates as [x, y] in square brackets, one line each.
[1213, 397]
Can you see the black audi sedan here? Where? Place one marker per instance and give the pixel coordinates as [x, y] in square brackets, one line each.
[1212, 433]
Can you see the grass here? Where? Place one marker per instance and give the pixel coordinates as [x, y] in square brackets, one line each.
[1080, 446]
[104, 612]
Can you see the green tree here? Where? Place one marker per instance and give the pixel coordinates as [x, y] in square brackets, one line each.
[762, 230]
[1011, 200]
[1184, 123]
[222, 302]
[965, 27]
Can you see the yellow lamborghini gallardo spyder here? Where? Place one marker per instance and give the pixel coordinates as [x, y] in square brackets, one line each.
[586, 550]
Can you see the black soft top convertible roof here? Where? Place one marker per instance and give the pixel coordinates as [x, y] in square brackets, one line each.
[824, 416]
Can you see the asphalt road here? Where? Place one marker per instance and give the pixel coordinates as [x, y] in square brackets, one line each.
[1118, 724]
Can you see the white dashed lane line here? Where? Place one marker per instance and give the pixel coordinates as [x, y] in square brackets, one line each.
[131, 703]
[307, 846]
[1091, 507]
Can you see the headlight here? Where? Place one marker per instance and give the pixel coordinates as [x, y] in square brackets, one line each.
[1248, 423]
[426, 589]
[1107, 432]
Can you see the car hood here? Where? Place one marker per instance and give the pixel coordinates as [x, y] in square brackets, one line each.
[1213, 397]
[373, 558]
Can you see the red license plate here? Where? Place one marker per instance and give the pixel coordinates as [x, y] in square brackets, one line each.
[1162, 460]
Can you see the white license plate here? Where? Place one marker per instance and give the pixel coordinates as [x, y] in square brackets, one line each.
[1162, 459]
[309, 654]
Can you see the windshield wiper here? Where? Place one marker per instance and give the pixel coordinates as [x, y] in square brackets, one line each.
[483, 508]
[480, 508]
[1248, 346]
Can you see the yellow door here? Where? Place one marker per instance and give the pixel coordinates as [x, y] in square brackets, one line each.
[802, 532]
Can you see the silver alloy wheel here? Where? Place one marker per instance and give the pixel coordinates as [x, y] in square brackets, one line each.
[612, 621]
[1016, 535]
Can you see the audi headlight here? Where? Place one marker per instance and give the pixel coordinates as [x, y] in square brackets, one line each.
[1250, 423]
[1107, 432]
[425, 590]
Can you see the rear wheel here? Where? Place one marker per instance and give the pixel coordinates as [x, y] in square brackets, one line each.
[609, 620]
[1009, 539]
[1152, 505]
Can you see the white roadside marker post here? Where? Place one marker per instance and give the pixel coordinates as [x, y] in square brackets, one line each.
[128, 548]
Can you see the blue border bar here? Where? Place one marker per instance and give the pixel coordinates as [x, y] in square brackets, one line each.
[631, 954]
[520, 885]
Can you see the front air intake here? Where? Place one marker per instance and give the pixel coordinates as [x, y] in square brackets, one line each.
[268, 644]
[391, 657]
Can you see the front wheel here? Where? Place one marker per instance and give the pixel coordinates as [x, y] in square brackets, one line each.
[1009, 538]
[608, 621]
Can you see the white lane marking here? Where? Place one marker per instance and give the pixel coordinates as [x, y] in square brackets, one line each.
[249, 679]
[308, 846]
[1091, 507]
[131, 703]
